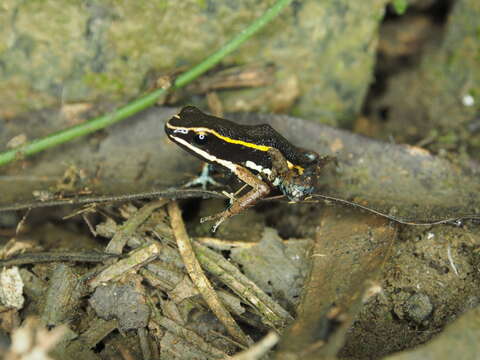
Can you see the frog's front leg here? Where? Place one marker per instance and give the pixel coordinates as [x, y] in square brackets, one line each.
[279, 168]
[259, 190]
[204, 179]
[295, 182]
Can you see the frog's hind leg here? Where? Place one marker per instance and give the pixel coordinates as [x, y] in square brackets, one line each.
[259, 190]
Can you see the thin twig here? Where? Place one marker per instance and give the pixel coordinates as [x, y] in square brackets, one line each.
[198, 277]
[258, 350]
[22, 222]
[450, 259]
[66, 256]
[166, 193]
[454, 220]
[221, 244]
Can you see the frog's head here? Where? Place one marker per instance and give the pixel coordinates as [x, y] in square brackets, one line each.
[207, 137]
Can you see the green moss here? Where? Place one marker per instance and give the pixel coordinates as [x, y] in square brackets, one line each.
[448, 139]
[105, 82]
[202, 3]
[104, 51]
[475, 141]
[400, 6]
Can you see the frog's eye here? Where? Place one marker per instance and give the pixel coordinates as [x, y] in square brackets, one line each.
[200, 138]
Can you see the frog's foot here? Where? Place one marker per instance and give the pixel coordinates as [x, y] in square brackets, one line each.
[220, 218]
[204, 179]
[224, 215]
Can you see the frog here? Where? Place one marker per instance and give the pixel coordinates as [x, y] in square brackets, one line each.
[258, 155]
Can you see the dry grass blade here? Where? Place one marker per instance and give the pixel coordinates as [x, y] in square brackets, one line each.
[135, 259]
[115, 246]
[272, 313]
[186, 334]
[198, 277]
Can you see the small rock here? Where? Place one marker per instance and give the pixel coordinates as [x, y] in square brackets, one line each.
[418, 307]
[123, 302]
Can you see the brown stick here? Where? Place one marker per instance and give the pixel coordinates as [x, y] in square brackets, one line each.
[198, 277]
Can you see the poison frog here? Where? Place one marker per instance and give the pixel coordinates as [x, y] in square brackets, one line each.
[257, 154]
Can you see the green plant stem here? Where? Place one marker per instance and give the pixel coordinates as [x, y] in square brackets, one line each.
[144, 102]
